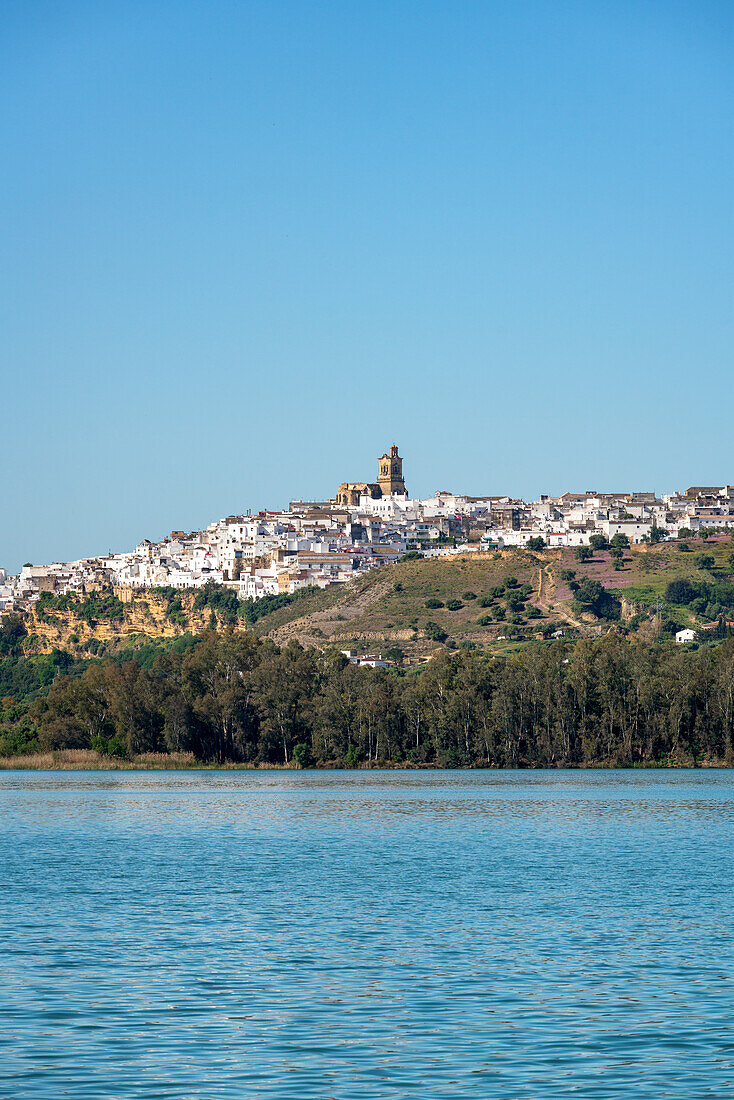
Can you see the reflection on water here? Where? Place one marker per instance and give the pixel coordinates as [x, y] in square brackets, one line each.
[351, 935]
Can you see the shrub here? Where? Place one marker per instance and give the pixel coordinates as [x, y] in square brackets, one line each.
[115, 745]
[454, 605]
[485, 601]
[435, 632]
[352, 757]
[226, 602]
[592, 596]
[704, 561]
[174, 609]
[680, 591]
[433, 604]
[568, 574]
[484, 620]
[302, 755]
[468, 595]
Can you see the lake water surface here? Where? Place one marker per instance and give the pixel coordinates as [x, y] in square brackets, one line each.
[366, 934]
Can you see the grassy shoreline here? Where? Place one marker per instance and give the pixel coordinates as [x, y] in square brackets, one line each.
[88, 760]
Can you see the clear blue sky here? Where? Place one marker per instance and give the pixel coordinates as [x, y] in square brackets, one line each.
[247, 246]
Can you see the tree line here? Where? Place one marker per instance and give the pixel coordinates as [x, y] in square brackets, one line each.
[233, 697]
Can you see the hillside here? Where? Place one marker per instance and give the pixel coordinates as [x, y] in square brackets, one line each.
[498, 601]
[504, 600]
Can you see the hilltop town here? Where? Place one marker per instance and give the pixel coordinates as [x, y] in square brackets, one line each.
[475, 600]
[368, 525]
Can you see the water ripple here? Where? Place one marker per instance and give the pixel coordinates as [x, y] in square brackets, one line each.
[352, 935]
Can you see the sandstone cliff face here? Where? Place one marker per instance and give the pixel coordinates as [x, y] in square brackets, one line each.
[144, 616]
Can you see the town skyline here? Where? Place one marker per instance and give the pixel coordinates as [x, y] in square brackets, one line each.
[12, 562]
[240, 247]
[365, 524]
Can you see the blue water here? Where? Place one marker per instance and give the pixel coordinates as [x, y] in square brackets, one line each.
[365, 934]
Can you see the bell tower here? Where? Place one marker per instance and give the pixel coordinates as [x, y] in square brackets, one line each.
[390, 474]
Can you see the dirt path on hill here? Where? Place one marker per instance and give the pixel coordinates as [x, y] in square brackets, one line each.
[349, 607]
[547, 589]
[546, 586]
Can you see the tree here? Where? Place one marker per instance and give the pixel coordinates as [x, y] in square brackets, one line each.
[592, 596]
[680, 591]
[435, 632]
[217, 681]
[283, 685]
[394, 653]
[536, 543]
[302, 755]
[583, 553]
[12, 632]
[598, 542]
[620, 541]
[704, 561]
[134, 699]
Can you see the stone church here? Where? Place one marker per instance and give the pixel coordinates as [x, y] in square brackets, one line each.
[389, 482]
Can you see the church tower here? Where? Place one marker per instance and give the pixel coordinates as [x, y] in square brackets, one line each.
[390, 474]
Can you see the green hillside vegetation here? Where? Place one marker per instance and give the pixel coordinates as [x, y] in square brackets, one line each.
[518, 597]
[494, 601]
[235, 699]
[424, 599]
[268, 686]
[104, 606]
